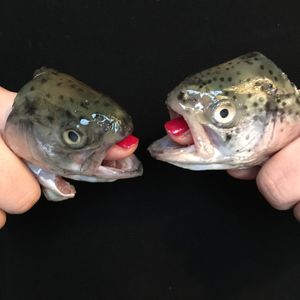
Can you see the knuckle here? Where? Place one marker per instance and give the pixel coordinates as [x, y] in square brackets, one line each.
[274, 190]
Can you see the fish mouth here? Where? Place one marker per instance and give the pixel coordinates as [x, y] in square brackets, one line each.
[57, 189]
[202, 154]
[110, 170]
[127, 167]
[108, 162]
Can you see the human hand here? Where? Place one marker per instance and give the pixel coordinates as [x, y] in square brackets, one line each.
[279, 178]
[19, 190]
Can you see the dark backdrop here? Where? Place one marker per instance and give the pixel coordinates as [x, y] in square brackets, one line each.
[173, 233]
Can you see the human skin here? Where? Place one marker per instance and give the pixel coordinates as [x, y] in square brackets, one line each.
[278, 179]
[19, 189]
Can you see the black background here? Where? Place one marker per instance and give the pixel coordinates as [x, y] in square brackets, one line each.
[173, 233]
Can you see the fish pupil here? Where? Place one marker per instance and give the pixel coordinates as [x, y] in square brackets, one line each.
[73, 136]
[224, 113]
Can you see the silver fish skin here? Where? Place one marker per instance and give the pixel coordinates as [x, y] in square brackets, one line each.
[62, 128]
[239, 114]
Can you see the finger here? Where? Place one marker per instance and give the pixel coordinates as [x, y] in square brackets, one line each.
[178, 131]
[279, 178]
[123, 149]
[184, 139]
[19, 188]
[2, 218]
[6, 102]
[246, 174]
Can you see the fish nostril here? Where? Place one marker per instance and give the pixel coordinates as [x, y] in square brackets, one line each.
[126, 125]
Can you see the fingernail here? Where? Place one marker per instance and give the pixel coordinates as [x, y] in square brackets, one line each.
[128, 142]
[176, 126]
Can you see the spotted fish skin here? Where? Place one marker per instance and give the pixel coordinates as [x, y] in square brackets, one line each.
[239, 113]
[52, 110]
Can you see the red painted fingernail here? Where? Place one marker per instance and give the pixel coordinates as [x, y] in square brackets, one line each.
[128, 142]
[176, 126]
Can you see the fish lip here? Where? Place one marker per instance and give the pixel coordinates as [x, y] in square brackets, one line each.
[165, 146]
[109, 174]
[186, 157]
[108, 171]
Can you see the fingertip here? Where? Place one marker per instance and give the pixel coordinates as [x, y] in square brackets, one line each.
[117, 152]
[178, 131]
[129, 142]
[244, 174]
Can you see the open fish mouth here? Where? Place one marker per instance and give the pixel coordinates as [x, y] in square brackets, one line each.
[127, 167]
[166, 146]
[56, 188]
[108, 163]
[202, 154]
[111, 170]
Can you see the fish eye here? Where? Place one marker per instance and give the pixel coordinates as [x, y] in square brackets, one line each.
[72, 137]
[224, 114]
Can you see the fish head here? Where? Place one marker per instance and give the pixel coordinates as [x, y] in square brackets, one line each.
[63, 126]
[230, 110]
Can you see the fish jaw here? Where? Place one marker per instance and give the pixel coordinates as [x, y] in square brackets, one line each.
[54, 187]
[187, 157]
[109, 171]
